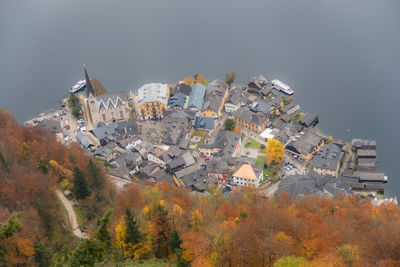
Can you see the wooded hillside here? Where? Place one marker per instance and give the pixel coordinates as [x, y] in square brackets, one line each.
[145, 222]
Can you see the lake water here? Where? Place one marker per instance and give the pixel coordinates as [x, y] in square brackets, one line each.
[341, 57]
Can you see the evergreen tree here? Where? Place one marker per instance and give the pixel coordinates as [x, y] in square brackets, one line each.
[102, 233]
[7, 230]
[87, 253]
[132, 231]
[3, 162]
[80, 189]
[175, 241]
[229, 125]
[42, 254]
[94, 175]
[43, 167]
[161, 233]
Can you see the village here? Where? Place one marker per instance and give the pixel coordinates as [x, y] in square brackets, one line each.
[198, 134]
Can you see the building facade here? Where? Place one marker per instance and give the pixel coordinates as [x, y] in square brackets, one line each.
[247, 175]
[152, 100]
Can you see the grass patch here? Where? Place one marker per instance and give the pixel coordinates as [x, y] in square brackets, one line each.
[251, 143]
[200, 133]
[82, 220]
[260, 161]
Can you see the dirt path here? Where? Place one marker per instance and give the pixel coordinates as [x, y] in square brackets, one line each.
[71, 215]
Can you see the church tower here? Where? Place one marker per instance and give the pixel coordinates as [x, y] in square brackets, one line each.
[89, 88]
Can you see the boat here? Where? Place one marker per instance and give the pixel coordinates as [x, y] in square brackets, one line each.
[78, 87]
[282, 87]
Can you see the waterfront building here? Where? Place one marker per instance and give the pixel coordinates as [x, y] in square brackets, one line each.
[217, 92]
[197, 96]
[327, 160]
[236, 99]
[152, 100]
[254, 121]
[106, 108]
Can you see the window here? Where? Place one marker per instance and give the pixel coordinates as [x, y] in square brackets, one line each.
[104, 117]
[121, 114]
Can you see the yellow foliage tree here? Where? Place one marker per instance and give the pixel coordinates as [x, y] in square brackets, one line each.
[120, 234]
[349, 253]
[196, 220]
[25, 247]
[66, 185]
[60, 171]
[177, 210]
[274, 151]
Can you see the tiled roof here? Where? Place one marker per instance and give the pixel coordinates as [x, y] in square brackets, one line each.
[244, 113]
[246, 171]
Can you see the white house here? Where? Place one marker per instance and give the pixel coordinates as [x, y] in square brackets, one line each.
[247, 175]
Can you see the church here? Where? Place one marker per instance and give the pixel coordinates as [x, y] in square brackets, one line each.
[106, 108]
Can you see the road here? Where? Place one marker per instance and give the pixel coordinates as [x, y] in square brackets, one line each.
[73, 221]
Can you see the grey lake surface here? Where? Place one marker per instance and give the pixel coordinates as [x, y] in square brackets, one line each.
[341, 57]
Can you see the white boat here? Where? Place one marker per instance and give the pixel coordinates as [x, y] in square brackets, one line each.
[282, 87]
[78, 86]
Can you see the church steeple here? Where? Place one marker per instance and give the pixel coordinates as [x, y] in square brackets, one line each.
[89, 87]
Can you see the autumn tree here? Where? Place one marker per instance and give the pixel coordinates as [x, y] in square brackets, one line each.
[274, 151]
[230, 78]
[229, 125]
[98, 88]
[80, 189]
[188, 81]
[200, 79]
[349, 253]
[161, 230]
[291, 261]
[7, 230]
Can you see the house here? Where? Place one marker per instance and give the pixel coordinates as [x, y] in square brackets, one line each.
[288, 132]
[269, 133]
[264, 107]
[313, 183]
[222, 168]
[366, 153]
[103, 153]
[327, 160]
[154, 156]
[152, 100]
[363, 144]
[129, 159]
[204, 123]
[363, 180]
[366, 164]
[247, 175]
[309, 119]
[183, 88]
[106, 108]
[104, 133]
[258, 82]
[50, 125]
[226, 144]
[179, 175]
[196, 99]
[217, 92]
[254, 121]
[83, 139]
[308, 143]
[236, 99]
[183, 161]
[179, 100]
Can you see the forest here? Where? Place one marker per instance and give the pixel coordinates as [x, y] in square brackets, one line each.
[149, 224]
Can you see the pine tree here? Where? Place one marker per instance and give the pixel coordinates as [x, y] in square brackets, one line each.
[80, 189]
[102, 233]
[43, 167]
[161, 233]
[87, 253]
[132, 231]
[94, 175]
[175, 241]
[42, 254]
[3, 162]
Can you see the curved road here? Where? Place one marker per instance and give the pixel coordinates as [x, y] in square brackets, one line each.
[71, 215]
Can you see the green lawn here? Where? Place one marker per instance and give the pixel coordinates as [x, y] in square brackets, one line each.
[80, 216]
[200, 133]
[260, 161]
[251, 143]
